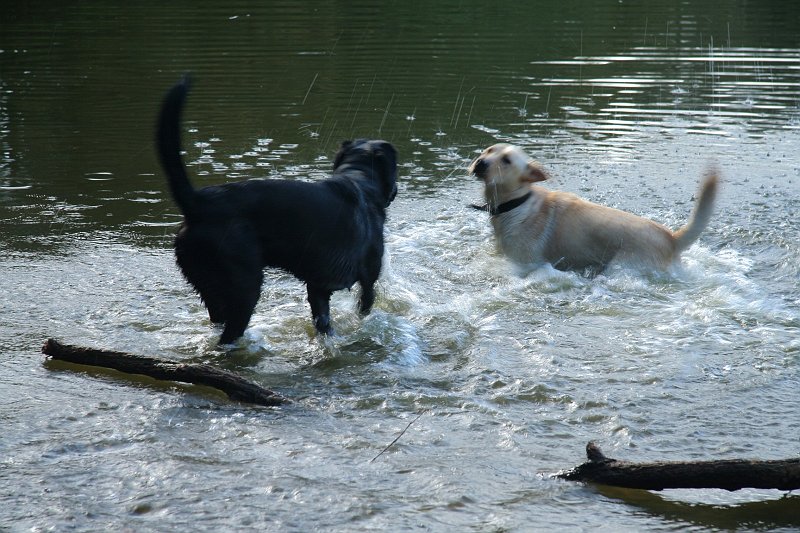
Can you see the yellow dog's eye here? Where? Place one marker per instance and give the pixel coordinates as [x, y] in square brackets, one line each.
[506, 160]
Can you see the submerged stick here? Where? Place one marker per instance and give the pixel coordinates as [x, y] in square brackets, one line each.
[728, 474]
[235, 387]
[398, 437]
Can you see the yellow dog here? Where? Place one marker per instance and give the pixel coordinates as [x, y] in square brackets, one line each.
[534, 225]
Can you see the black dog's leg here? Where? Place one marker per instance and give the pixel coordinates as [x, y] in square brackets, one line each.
[320, 308]
[210, 294]
[200, 263]
[369, 276]
[367, 298]
[224, 265]
[241, 301]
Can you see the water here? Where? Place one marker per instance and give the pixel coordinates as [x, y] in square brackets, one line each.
[503, 378]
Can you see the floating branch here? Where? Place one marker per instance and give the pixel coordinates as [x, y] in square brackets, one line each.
[235, 387]
[728, 474]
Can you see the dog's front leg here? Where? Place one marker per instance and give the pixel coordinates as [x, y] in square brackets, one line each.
[320, 308]
[369, 276]
[366, 299]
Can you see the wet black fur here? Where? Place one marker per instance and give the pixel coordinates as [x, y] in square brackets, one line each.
[329, 233]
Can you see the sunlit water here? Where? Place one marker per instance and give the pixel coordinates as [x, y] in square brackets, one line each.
[498, 377]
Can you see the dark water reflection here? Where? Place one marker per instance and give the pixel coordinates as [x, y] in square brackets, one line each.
[624, 101]
[279, 85]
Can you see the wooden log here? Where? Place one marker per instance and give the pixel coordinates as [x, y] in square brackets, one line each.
[728, 474]
[235, 387]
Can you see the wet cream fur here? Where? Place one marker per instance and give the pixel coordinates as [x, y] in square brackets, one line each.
[568, 232]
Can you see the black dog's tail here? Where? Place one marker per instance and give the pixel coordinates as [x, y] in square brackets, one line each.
[168, 141]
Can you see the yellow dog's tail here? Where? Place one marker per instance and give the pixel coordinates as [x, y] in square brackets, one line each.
[701, 215]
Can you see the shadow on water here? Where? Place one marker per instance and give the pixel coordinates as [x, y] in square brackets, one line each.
[780, 512]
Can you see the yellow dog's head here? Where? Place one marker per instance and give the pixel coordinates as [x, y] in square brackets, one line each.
[505, 167]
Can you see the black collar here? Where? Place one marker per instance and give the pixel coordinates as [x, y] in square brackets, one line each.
[504, 207]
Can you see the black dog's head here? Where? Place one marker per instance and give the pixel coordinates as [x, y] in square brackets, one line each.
[378, 159]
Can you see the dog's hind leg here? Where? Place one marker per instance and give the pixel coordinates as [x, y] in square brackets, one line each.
[240, 301]
[225, 269]
[207, 286]
[319, 299]
[202, 268]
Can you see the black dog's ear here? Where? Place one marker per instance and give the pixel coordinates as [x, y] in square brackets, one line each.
[386, 156]
[388, 153]
[340, 154]
[387, 148]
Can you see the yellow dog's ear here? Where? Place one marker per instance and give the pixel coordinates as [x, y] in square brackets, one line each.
[534, 173]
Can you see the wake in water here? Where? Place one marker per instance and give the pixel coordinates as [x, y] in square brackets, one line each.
[453, 298]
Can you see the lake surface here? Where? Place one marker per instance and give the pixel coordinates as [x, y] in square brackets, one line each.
[498, 379]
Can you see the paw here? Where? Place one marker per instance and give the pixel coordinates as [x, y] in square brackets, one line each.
[365, 306]
[323, 325]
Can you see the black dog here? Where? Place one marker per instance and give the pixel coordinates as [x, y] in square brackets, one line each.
[328, 234]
